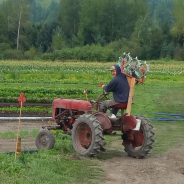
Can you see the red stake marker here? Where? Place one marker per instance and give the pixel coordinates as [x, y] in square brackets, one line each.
[21, 100]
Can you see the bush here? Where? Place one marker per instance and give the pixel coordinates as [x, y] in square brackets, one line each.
[179, 53]
[4, 46]
[167, 50]
[32, 53]
[12, 54]
[48, 56]
[88, 52]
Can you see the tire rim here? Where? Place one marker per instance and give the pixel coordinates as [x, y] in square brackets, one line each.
[44, 140]
[83, 137]
[135, 139]
[138, 139]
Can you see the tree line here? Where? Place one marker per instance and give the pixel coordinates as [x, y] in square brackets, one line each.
[91, 29]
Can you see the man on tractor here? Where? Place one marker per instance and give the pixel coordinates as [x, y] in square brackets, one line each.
[87, 124]
[120, 88]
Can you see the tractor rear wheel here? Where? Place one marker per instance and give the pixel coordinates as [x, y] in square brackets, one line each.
[138, 144]
[87, 137]
[45, 140]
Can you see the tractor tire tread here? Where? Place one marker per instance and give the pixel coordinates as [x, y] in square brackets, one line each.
[97, 141]
[149, 140]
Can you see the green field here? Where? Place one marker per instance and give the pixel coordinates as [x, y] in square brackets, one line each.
[44, 81]
[163, 91]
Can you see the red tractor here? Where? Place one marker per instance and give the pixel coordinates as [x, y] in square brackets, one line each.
[87, 126]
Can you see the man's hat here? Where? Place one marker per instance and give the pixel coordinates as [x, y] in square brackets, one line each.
[112, 68]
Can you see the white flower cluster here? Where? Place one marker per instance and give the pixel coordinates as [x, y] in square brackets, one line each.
[133, 66]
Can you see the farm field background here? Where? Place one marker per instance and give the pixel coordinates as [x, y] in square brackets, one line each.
[41, 82]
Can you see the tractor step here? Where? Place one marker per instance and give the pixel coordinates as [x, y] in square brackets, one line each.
[138, 125]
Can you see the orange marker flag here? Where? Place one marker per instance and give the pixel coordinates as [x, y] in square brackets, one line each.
[21, 99]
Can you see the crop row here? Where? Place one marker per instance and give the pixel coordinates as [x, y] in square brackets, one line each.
[43, 95]
[44, 81]
[54, 77]
[87, 67]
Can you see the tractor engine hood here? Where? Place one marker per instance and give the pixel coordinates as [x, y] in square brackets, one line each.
[80, 105]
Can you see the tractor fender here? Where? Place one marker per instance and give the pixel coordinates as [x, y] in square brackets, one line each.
[128, 122]
[104, 120]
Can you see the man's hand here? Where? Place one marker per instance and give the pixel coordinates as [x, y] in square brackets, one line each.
[101, 85]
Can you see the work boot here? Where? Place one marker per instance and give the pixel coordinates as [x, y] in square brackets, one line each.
[113, 116]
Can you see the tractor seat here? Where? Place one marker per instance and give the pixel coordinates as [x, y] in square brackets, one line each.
[120, 106]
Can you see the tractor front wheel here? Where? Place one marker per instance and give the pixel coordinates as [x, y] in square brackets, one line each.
[45, 140]
[138, 144]
[87, 137]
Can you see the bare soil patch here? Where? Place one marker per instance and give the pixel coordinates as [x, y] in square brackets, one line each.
[8, 145]
[158, 169]
[25, 125]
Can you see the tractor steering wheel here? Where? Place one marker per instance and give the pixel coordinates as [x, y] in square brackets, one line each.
[102, 97]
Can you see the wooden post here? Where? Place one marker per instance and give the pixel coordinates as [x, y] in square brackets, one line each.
[18, 146]
[18, 140]
[131, 81]
[21, 100]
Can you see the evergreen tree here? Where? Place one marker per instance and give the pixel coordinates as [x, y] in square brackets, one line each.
[16, 12]
[69, 19]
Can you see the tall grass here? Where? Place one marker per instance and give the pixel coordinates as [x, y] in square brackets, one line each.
[59, 165]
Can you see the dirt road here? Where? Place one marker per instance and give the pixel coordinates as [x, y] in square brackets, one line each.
[118, 167]
[8, 145]
[167, 169]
